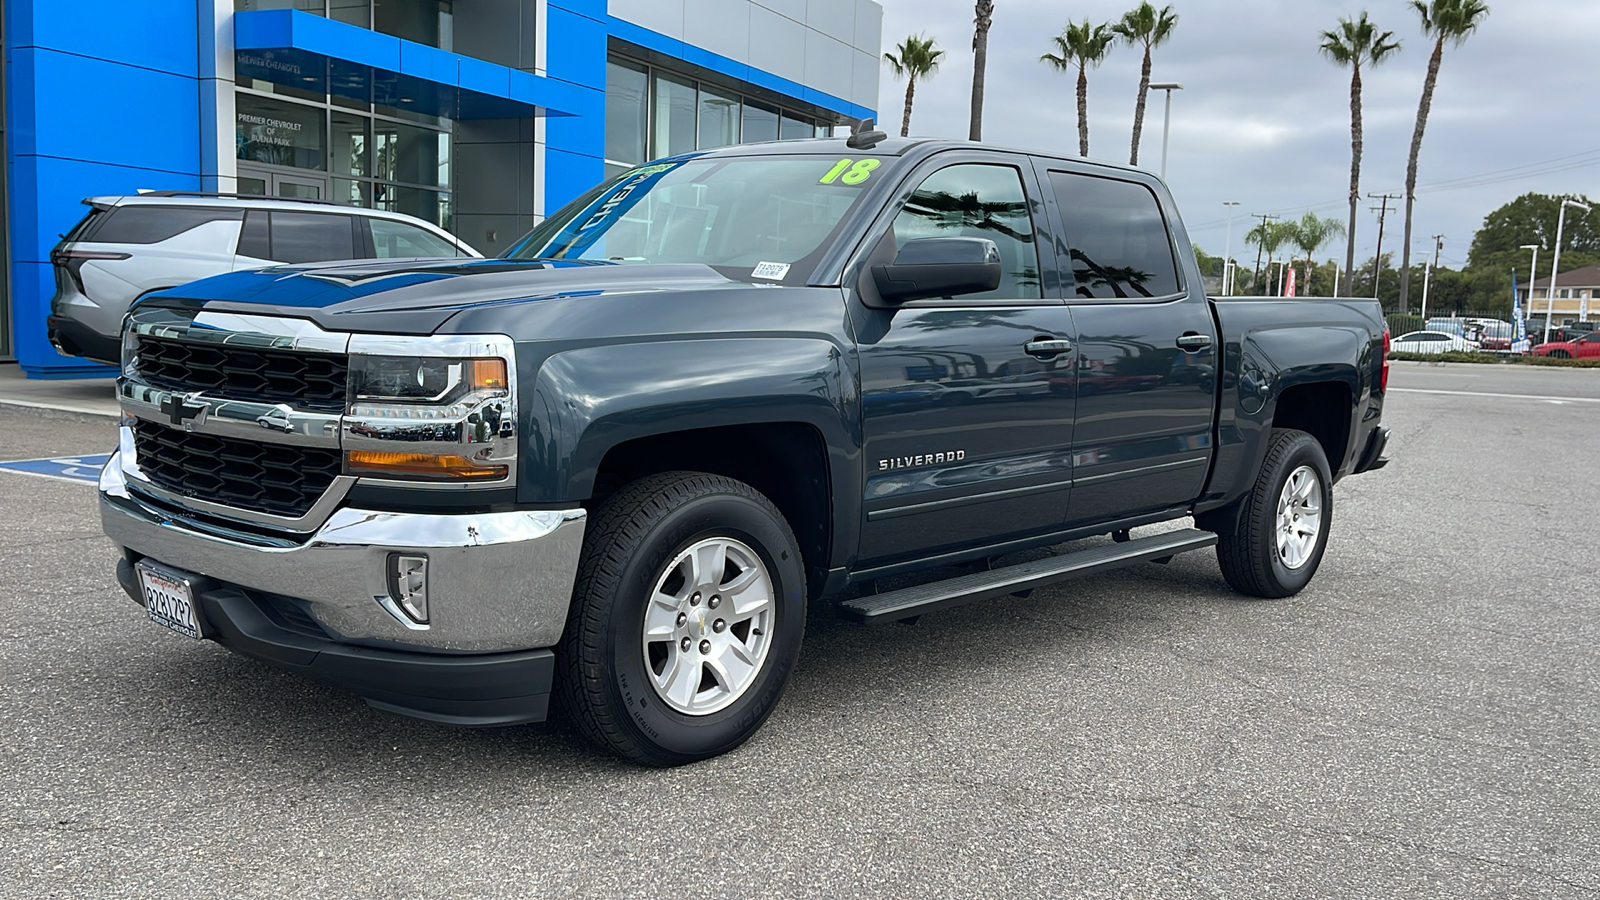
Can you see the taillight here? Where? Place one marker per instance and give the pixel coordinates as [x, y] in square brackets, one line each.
[1383, 379]
[71, 261]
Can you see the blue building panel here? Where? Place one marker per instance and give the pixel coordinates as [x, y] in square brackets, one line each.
[576, 51]
[161, 35]
[566, 175]
[160, 132]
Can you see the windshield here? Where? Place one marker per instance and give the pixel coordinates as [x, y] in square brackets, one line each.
[762, 217]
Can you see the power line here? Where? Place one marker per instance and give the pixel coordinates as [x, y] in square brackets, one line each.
[1383, 211]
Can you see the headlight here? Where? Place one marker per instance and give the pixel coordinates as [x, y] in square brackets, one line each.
[421, 379]
[130, 350]
[430, 418]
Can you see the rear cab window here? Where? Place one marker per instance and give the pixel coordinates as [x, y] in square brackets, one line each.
[1120, 245]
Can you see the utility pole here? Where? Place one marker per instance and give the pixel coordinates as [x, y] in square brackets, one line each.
[1255, 280]
[1382, 210]
[1427, 275]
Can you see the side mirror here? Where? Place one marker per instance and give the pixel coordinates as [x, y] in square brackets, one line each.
[939, 267]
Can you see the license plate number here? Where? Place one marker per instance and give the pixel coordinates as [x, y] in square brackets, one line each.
[169, 600]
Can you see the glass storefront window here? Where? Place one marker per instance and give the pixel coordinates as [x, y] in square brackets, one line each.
[280, 134]
[351, 12]
[310, 6]
[719, 119]
[410, 154]
[429, 206]
[760, 123]
[675, 106]
[627, 112]
[795, 128]
[423, 21]
[350, 145]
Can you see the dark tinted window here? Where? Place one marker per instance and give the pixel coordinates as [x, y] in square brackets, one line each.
[1119, 241]
[81, 231]
[982, 201]
[152, 224]
[312, 237]
[254, 240]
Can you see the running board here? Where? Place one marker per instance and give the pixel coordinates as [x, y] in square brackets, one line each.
[911, 602]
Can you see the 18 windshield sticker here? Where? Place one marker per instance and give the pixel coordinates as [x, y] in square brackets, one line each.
[850, 171]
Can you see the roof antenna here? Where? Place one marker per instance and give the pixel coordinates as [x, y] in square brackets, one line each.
[864, 135]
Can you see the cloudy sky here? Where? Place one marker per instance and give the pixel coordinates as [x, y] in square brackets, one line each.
[1264, 119]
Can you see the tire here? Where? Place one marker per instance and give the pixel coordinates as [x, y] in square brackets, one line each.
[1253, 559]
[688, 693]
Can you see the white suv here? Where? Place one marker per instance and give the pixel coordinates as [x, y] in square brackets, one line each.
[127, 247]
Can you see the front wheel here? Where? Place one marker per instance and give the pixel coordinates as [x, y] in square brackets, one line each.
[686, 619]
[1275, 543]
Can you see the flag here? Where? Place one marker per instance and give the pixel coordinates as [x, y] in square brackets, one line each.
[1288, 290]
[1519, 325]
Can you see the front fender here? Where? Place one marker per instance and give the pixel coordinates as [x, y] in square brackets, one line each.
[588, 400]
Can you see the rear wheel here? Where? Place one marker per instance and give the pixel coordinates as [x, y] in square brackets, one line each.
[1274, 543]
[686, 619]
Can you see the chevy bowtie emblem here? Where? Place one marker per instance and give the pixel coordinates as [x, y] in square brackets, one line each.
[181, 409]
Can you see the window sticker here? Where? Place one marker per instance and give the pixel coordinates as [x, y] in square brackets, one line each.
[771, 271]
[850, 171]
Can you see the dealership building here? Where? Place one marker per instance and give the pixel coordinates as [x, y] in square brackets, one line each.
[479, 115]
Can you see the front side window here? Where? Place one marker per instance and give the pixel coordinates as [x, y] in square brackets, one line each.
[763, 217]
[984, 201]
[1118, 237]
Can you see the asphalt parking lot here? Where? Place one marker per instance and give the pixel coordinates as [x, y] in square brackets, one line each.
[1424, 721]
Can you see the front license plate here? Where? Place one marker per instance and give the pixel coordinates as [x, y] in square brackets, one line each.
[169, 600]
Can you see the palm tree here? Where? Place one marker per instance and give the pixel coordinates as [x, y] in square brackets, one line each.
[983, 17]
[1144, 25]
[1310, 234]
[916, 59]
[1268, 237]
[1356, 42]
[1442, 20]
[1081, 46]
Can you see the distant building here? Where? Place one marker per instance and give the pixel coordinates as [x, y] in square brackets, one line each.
[1577, 293]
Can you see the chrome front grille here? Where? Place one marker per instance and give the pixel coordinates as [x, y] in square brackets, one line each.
[277, 479]
[304, 380]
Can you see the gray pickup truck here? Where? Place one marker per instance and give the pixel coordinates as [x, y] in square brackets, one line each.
[617, 465]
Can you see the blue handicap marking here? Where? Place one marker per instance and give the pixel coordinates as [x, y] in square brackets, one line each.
[70, 468]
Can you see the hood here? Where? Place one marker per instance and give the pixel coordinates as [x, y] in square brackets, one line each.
[418, 296]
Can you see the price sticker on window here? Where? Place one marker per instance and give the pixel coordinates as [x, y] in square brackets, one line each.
[850, 171]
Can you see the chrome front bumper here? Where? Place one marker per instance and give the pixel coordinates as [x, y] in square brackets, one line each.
[496, 581]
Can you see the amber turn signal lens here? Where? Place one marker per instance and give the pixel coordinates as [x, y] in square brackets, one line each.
[488, 374]
[420, 465]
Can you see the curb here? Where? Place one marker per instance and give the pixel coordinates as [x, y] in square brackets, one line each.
[59, 411]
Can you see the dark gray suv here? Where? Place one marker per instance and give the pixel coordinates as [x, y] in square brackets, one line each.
[126, 247]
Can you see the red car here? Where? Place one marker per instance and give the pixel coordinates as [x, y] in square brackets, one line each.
[1583, 346]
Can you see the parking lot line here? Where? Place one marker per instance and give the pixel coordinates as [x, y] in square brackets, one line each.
[1488, 394]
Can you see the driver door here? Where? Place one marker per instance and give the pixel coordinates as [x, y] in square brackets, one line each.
[968, 431]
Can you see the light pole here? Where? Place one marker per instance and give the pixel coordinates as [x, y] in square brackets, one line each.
[1533, 273]
[1555, 267]
[1227, 252]
[1166, 123]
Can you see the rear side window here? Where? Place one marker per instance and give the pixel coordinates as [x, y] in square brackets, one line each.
[1118, 237]
[397, 240]
[292, 237]
[153, 224]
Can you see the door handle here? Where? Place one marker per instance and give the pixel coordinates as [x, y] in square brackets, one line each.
[1047, 346]
[1194, 343]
